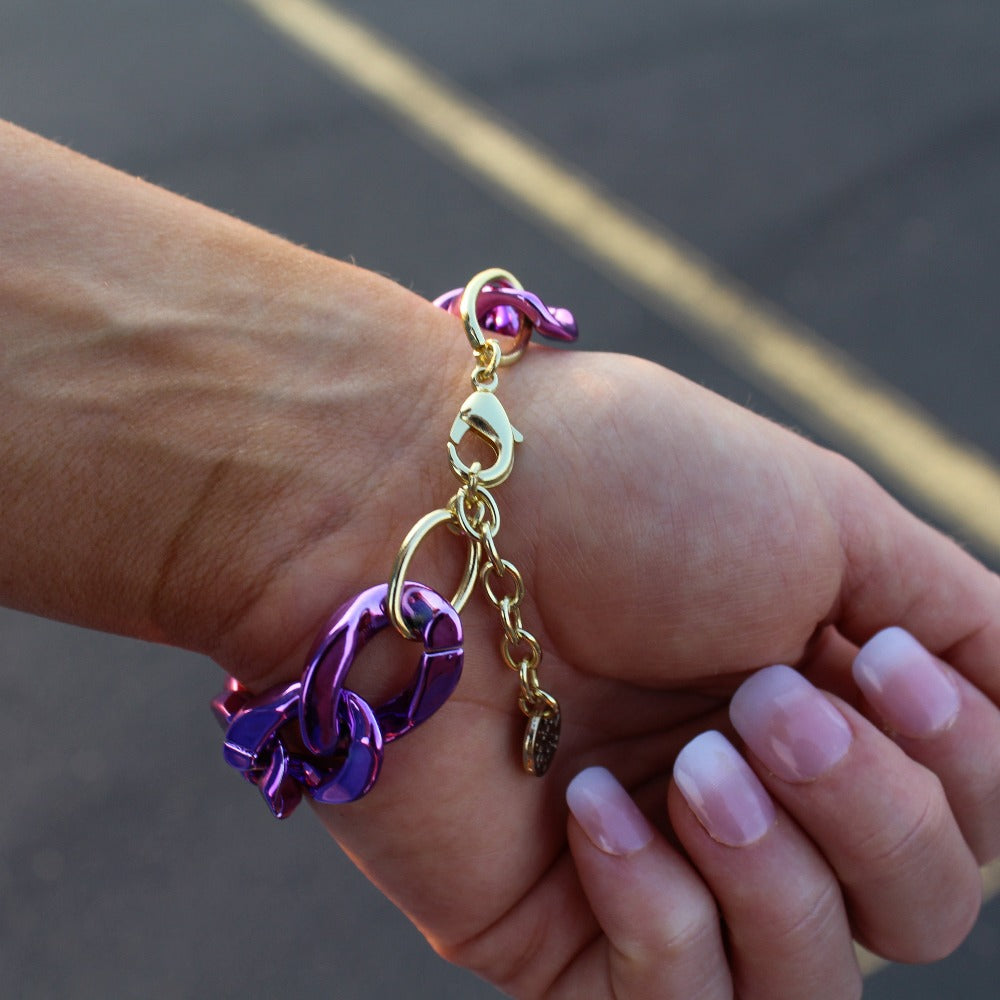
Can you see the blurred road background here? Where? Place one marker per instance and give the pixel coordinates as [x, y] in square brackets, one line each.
[839, 160]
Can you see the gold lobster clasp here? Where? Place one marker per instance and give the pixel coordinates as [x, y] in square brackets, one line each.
[484, 415]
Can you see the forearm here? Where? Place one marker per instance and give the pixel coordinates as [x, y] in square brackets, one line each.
[161, 363]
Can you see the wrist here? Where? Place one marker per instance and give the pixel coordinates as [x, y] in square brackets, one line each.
[189, 402]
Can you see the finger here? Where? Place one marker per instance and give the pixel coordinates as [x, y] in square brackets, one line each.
[787, 929]
[931, 711]
[942, 721]
[881, 819]
[661, 926]
[900, 571]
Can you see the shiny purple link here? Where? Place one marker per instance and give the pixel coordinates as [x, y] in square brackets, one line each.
[499, 309]
[335, 752]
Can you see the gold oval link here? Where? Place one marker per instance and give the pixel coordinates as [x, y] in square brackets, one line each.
[473, 527]
[416, 534]
[509, 569]
[532, 660]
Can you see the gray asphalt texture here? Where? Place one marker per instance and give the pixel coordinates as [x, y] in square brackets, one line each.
[841, 159]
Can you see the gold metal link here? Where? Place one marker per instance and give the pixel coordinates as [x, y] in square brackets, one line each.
[483, 503]
[511, 572]
[517, 661]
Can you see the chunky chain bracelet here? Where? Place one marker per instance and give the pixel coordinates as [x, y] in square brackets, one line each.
[334, 753]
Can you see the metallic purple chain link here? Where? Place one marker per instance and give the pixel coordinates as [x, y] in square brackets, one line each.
[500, 309]
[334, 753]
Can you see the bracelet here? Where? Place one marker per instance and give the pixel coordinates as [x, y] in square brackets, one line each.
[317, 737]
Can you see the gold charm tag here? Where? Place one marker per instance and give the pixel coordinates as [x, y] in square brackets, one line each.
[541, 739]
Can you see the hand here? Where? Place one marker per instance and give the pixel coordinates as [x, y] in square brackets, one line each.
[213, 438]
[672, 543]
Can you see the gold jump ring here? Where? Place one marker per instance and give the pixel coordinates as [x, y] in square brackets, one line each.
[416, 534]
[467, 310]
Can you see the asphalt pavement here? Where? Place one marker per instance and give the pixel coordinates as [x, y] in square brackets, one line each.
[840, 160]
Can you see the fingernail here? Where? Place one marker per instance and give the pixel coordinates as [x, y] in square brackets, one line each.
[906, 685]
[789, 725]
[609, 817]
[722, 791]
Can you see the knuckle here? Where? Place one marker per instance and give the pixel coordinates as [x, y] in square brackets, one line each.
[673, 941]
[812, 920]
[638, 966]
[906, 837]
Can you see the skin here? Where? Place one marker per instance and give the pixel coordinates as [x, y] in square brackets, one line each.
[212, 438]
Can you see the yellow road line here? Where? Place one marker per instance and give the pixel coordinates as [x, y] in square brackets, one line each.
[821, 385]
